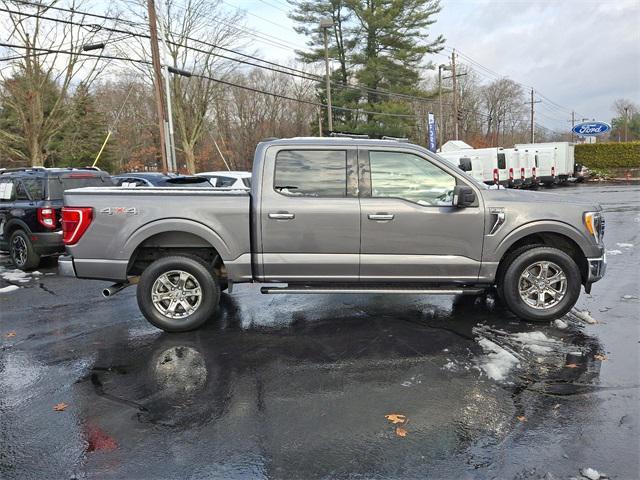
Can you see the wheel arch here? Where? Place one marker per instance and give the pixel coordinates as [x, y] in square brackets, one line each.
[175, 237]
[549, 238]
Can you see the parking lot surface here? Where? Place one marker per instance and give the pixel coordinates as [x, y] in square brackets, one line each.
[326, 386]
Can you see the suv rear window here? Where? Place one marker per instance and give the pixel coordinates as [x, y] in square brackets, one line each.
[57, 185]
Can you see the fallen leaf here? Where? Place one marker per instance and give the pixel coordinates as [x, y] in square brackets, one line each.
[59, 407]
[571, 365]
[522, 418]
[10, 335]
[401, 432]
[396, 418]
[600, 357]
[556, 406]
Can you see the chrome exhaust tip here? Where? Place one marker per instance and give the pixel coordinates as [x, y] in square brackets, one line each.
[113, 289]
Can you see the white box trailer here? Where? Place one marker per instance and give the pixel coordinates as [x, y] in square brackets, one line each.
[488, 165]
[465, 160]
[563, 164]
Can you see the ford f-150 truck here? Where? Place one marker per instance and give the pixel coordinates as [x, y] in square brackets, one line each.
[327, 215]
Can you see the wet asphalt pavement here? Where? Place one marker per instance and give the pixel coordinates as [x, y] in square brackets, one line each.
[300, 386]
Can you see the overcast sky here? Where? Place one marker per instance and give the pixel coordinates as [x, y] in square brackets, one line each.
[580, 54]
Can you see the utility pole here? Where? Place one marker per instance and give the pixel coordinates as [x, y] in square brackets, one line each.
[455, 94]
[533, 130]
[573, 124]
[325, 24]
[441, 67]
[157, 81]
[171, 148]
[626, 119]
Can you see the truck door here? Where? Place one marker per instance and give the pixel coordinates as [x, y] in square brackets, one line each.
[310, 214]
[410, 230]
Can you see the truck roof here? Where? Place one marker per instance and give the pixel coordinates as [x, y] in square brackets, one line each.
[337, 141]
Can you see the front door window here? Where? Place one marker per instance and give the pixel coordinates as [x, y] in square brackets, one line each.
[410, 177]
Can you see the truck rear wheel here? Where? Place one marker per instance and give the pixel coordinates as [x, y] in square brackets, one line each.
[178, 293]
[541, 284]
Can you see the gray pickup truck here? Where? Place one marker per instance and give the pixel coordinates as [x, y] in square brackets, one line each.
[327, 215]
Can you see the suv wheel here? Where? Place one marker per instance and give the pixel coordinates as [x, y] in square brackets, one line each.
[178, 293]
[541, 284]
[22, 252]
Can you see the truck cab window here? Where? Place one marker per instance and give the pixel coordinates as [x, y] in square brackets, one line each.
[412, 178]
[502, 161]
[311, 173]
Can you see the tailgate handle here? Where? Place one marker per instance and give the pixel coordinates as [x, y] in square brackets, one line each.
[282, 216]
[381, 216]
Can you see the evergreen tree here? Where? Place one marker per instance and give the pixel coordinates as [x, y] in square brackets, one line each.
[381, 44]
[80, 141]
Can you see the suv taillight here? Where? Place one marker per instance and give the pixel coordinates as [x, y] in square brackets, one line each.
[75, 221]
[47, 217]
[522, 177]
[496, 176]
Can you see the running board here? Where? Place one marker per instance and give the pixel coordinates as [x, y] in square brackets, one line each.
[374, 289]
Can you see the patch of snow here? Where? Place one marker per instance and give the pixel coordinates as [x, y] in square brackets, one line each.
[614, 252]
[36, 273]
[585, 316]
[629, 297]
[9, 288]
[449, 366]
[590, 473]
[15, 276]
[561, 324]
[498, 361]
[625, 245]
[537, 342]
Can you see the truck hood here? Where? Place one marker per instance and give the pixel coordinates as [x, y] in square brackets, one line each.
[494, 198]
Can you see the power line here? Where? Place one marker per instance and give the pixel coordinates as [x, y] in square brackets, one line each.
[298, 73]
[217, 80]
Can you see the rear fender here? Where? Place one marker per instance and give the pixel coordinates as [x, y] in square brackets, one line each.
[176, 225]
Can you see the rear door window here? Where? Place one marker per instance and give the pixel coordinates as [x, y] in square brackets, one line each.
[34, 187]
[502, 161]
[21, 192]
[311, 173]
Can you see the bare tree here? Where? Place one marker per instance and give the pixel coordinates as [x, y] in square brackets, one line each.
[46, 67]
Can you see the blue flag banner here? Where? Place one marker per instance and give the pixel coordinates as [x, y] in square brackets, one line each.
[432, 132]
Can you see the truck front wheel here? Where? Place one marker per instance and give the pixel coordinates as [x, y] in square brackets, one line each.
[178, 293]
[541, 284]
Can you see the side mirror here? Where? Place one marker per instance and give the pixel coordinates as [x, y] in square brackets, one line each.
[465, 164]
[463, 196]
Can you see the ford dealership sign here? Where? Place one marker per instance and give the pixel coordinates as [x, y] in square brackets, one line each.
[589, 129]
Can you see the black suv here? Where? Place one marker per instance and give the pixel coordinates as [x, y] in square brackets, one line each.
[30, 209]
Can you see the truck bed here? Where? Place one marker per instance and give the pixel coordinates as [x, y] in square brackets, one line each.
[124, 218]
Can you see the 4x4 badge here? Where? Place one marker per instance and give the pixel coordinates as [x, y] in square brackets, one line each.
[119, 211]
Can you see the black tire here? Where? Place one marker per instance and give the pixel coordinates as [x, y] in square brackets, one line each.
[205, 309]
[509, 285]
[22, 252]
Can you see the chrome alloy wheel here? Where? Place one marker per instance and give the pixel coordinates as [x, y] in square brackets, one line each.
[542, 285]
[19, 250]
[176, 294]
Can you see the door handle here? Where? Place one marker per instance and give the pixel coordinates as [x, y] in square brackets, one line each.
[381, 216]
[282, 216]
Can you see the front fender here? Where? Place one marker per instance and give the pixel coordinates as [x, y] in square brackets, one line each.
[176, 225]
[588, 248]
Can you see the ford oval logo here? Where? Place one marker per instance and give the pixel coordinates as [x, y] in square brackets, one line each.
[588, 129]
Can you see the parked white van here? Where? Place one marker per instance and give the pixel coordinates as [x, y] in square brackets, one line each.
[564, 160]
